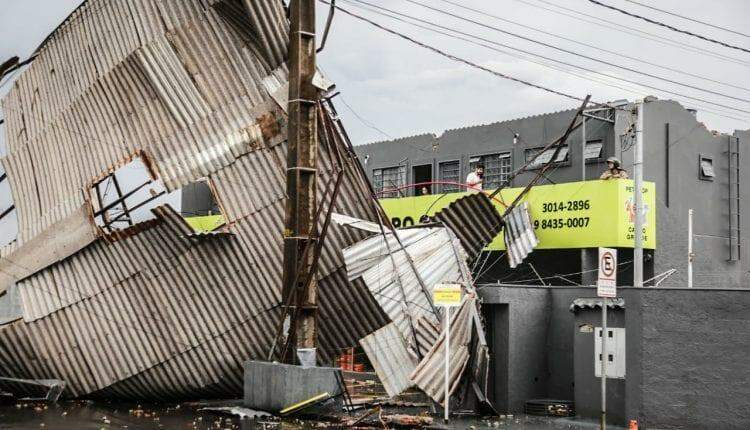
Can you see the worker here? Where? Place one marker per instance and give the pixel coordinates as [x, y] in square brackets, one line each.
[614, 171]
[474, 179]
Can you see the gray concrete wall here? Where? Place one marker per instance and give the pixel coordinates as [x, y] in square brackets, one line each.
[688, 368]
[686, 358]
[677, 182]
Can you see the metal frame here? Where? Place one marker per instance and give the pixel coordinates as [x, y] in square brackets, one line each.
[460, 173]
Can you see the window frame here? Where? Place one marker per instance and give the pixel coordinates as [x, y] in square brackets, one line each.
[701, 174]
[600, 158]
[379, 193]
[505, 154]
[458, 179]
[565, 162]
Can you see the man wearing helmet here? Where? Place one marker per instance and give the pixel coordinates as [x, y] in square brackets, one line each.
[614, 171]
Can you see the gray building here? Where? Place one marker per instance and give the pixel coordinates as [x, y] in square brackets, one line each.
[692, 167]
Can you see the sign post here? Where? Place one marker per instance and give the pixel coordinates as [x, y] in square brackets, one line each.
[606, 287]
[447, 296]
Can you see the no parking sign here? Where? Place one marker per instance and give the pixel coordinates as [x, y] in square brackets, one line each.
[606, 285]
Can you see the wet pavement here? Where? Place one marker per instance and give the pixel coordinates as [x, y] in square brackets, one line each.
[89, 415]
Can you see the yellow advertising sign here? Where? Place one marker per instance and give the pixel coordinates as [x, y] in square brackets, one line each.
[447, 295]
[588, 214]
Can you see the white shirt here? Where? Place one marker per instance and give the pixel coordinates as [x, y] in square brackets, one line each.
[473, 181]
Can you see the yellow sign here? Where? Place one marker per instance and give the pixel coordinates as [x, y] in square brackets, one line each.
[588, 214]
[447, 295]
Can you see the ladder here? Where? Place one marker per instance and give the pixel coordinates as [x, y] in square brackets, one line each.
[733, 152]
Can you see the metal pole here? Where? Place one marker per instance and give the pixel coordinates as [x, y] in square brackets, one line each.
[447, 360]
[583, 178]
[638, 195]
[690, 248]
[301, 224]
[603, 423]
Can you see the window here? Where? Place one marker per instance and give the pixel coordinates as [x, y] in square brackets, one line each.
[706, 168]
[126, 196]
[497, 169]
[389, 178]
[546, 156]
[449, 171]
[593, 149]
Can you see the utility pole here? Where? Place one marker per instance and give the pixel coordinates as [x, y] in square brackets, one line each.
[690, 249]
[300, 233]
[638, 197]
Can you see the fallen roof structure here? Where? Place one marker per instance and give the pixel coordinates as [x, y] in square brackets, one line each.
[196, 90]
[401, 268]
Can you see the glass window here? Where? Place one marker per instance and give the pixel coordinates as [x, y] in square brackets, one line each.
[593, 149]
[497, 168]
[389, 178]
[546, 156]
[449, 171]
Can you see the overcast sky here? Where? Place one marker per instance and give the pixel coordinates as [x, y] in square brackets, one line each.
[399, 89]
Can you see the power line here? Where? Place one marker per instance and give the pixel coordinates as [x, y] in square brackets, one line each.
[567, 51]
[451, 56]
[633, 31]
[539, 56]
[688, 18]
[671, 69]
[364, 121]
[661, 24]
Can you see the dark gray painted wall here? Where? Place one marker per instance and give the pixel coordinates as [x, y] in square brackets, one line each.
[587, 388]
[686, 359]
[687, 139]
[691, 367]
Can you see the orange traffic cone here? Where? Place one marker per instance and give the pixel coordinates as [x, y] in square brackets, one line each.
[633, 425]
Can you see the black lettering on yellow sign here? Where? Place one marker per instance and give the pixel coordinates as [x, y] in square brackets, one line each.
[577, 220]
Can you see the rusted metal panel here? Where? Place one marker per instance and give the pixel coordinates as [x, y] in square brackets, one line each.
[154, 310]
[474, 220]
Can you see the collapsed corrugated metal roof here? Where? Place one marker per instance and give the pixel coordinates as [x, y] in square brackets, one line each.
[154, 310]
[474, 219]
[404, 289]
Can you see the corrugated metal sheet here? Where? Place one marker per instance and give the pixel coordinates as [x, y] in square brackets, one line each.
[398, 289]
[519, 235]
[391, 358]
[438, 257]
[154, 311]
[59, 241]
[430, 373]
[474, 220]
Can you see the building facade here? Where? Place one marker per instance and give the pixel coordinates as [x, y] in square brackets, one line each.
[691, 166]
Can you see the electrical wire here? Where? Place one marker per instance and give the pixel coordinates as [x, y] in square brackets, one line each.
[661, 24]
[588, 45]
[688, 18]
[578, 54]
[453, 57]
[619, 27]
[390, 14]
[362, 120]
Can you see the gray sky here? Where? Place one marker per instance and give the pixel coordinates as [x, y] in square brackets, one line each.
[403, 89]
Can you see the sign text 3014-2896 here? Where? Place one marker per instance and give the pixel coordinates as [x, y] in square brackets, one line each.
[564, 206]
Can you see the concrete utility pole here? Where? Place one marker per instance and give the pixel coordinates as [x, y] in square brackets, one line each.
[300, 231]
[638, 197]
